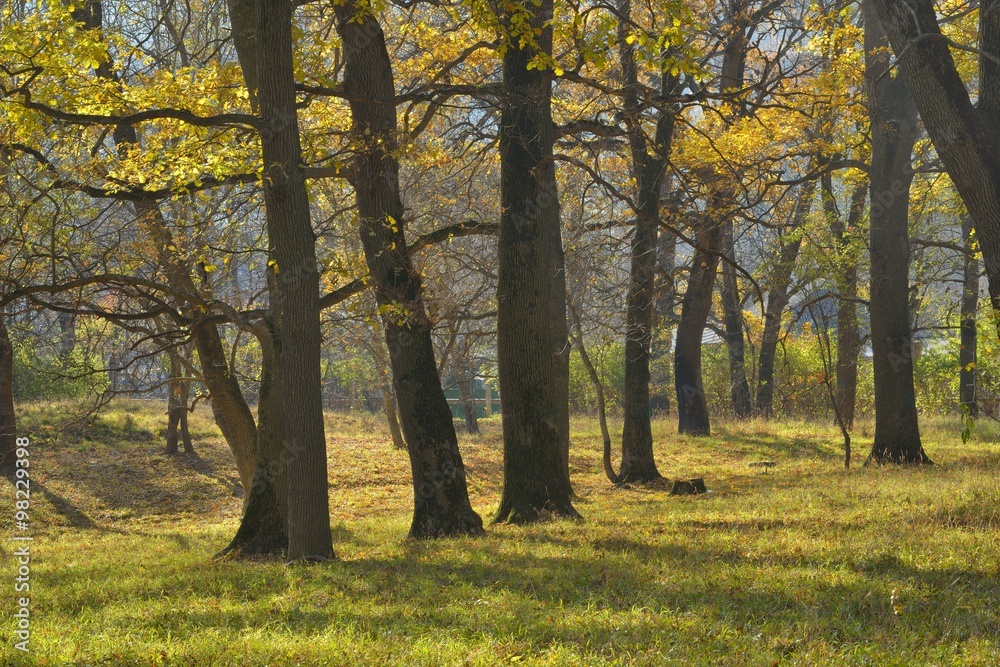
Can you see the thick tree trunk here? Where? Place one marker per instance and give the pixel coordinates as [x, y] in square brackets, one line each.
[692, 406]
[966, 138]
[535, 482]
[466, 393]
[292, 243]
[8, 418]
[264, 528]
[732, 308]
[848, 334]
[893, 118]
[232, 414]
[967, 355]
[777, 301]
[441, 498]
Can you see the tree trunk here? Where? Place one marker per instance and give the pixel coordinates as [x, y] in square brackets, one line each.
[263, 530]
[638, 464]
[966, 138]
[732, 308]
[848, 335]
[969, 306]
[67, 335]
[893, 118]
[692, 406]
[8, 418]
[535, 481]
[174, 405]
[389, 407]
[292, 243]
[466, 393]
[777, 301]
[441, 498]
[595, 381]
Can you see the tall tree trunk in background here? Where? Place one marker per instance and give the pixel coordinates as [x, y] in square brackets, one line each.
[665, 318]
[535, 481]
[848, 334]
[638, 464]
[67, 334]
[466, 391]
[732, 308]
[777, 300]
[893, 118]
[441, 498]
[175, 406]
[229, 407]
[595, 381]
[391, 417]
[263, 530]
[8, 418]
[268, 69]
[692, 406]
[967, 355]
[966, 137]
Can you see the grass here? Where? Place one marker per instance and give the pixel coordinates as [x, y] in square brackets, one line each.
[790, 567]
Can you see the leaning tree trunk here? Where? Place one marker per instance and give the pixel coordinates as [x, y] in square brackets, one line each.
[692, 405]
[893, 118]
[732, 309]
[595, 381]
[967, 354]
[777, 300]
[966, 137]
[174, 405]
[229, 407]
[269, 69]
[264, 528]
[848, 334]
[8, 418]
[441, 497]
[535, 482]
[391, 418]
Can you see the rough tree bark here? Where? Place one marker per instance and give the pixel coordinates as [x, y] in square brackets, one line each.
[441, 498]
[966, 137]
[777, 300]
[967, 355]
[8, 418]
[893, 117]
[648, 168]
[268, 69]
[535, 479]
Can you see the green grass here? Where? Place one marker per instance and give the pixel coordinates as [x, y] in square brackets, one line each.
[792, 567]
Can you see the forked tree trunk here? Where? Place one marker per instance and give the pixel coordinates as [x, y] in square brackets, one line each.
[967, 355]
[441, 498]
[732, 308]
[638, 464]
[264, 528]
[8, 418]
[692, 404]
[777, 300]
[535, 480]
[893, 118]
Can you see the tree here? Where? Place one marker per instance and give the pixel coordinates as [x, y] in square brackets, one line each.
[441, 498]
[893, 117]
[965, 136]
[967, 356]
[536, 482]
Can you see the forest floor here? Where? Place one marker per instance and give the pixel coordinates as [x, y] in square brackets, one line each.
[795, 566]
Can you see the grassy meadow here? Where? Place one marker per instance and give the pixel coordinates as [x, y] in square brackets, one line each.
[793, 566]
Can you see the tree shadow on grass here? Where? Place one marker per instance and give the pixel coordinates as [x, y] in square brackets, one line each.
[63, 507]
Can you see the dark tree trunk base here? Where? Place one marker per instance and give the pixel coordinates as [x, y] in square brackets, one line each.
[884, 455]
[428, 524]
[525, 512]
